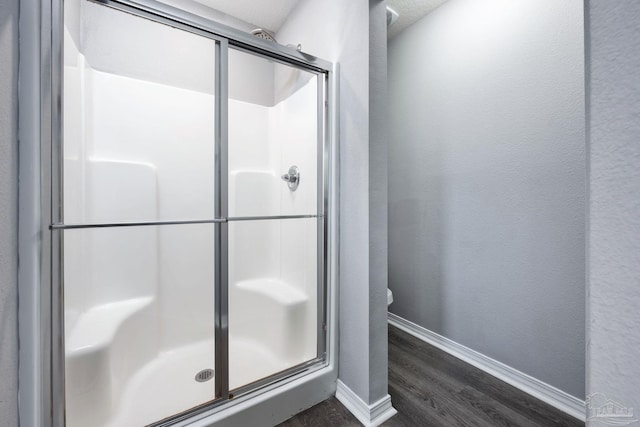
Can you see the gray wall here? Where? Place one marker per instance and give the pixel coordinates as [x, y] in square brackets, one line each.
[8, 213]
[338, 31]
[613, 39]
[378, 204]
[487, 182]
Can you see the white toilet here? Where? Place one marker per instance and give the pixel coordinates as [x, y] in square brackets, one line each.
[389, 297]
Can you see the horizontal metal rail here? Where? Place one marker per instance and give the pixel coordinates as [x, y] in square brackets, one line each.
[60, 226]
[262, 218]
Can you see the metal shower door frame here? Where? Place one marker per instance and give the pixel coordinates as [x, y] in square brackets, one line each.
[48, 351]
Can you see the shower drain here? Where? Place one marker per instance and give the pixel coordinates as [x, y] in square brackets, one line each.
[204, 375]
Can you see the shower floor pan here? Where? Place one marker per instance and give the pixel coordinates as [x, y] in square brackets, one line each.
[115, 378]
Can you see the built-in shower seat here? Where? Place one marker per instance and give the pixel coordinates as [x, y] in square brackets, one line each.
[99, 354]
[271, 312]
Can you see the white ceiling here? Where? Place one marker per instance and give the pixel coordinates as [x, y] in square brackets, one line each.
[410, 11]
[265, 14]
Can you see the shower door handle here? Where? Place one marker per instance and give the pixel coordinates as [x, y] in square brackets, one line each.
[292, 178]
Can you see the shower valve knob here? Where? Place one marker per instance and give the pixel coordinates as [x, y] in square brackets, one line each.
[292, 178]
[289, 178]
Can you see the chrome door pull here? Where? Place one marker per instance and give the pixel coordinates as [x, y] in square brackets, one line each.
[292, 178]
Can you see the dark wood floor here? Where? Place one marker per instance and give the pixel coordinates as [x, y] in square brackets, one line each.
[429, 387]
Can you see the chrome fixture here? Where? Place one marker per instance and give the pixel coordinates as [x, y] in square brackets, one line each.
[264, 34]
[392, 16]
[292, 178]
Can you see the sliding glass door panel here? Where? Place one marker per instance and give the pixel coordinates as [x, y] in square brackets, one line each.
[139, 146]
[274, 162]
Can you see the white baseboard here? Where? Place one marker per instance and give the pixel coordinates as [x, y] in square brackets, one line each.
[369, 415]
[540, 390]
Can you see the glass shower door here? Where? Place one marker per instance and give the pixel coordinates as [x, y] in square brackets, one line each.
[191, 183]
[138, 207]
[275, 223]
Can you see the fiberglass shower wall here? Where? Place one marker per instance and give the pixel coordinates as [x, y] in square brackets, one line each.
[272, 264]
[139, 146]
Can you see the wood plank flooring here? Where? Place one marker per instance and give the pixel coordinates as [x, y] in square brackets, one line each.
[429, 387]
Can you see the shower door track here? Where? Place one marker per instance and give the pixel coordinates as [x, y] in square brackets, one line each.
[47, 399]
[162, 12]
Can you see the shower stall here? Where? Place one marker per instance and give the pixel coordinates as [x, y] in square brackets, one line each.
[190, 209]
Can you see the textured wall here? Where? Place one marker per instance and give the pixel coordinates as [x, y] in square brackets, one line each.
[378, 206]
[487, 181]
[338, 31]
[613, 38]
[8, 213]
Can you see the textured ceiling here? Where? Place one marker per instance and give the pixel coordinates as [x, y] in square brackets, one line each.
[265, 14]
[410, 11]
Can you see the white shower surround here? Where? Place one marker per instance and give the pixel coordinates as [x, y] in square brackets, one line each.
[166, 296]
